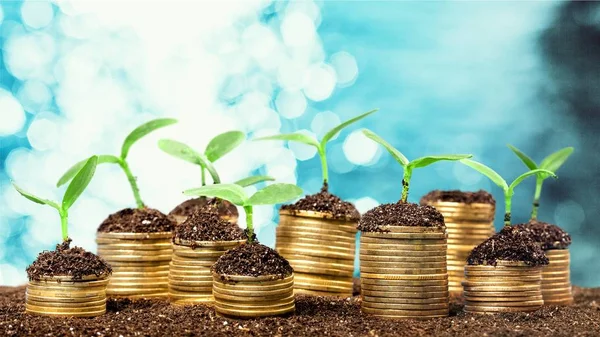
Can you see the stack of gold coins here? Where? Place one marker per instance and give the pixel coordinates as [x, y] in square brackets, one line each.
[556, 280]
[507, 287]
[63, 296]
[140, 263]
[467, 225]
[181, 218]
[253, 296]
[190, 278]
[403, 272]
[321, 251]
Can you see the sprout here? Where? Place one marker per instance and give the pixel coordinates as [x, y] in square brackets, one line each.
[217, 148]
[272, 194]
[509, 190]
[321, 146]
[410, 166]
[551, 163]
[76, 187]
[133, 137]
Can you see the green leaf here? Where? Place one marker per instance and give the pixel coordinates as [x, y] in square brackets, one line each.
[275, 194]
[543, 172]
[524, 158]
[143, 130]
[331, 133]
[428, 160]
[79, 182]
[35, 199]
[71, 172]
[253, 180]
[294, 137]
[486, 171]
[223, 144]
[230, 192]
[400, 158]
[181, 151]
[554, 161]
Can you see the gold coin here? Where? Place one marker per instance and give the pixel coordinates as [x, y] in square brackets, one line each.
[469, 308]
[343, 294]
[145, 281]
[410, 283]
[413, 253]
[255, 287]
[510, 293]
[200, 265]
[65, 314]
[399, 246]
[404, 294]
[548, 292]
[403, 271]
[409, 265]
[508, 283]
[138, 264]
[403, 288]
[560, 274]
[67, 295]
[410, 230]
[144, 296]
[50, 298]
[285, 251]
[70, 284]
[491, 298]
[405, 276]
[406, 236]
[252, 293]
[317, 226]
[66, 291]
[137, 285]
[302, 229]
[138, 257]
[201, 299]
[254, 313]
[319, 235]
[59, 309]
[498, 273]
[371, 299]
[197, 283]
[164, 273]
[30, 301]
[322, 288]
[258, 297]
[532, 287]
[401, 259]
[324, 279]
[256, 305]
[504, 279]
[203, 289]
[402, 306]
[198, 272]
[188, 244]
[420, 242]
[348, 265]
[137, 291]
[323, 245]
[334, 272]
[159, 267]
[404, 313]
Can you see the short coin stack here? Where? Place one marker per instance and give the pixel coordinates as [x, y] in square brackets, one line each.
[403, 272]
[63, 296]
[556, 280]
[190, 278]
[253, 296]
[507, 287]
[140, 263]
[321, 251]
[467, 225]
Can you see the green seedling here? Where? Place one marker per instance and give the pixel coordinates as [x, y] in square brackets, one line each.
[216, 148]
[551, 163]
[409, 166]
[121, 160]
[272, 194]
[80, 181]
[322, 145]
[509, 190]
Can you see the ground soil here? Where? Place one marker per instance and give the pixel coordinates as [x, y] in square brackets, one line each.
[252, 259]
[400, 214]
[208, 227]
[315, 316]
[65, 261]
[204, 204]
[137, 220]
[327, 203]
[480, 197]
[511, 244]
[548, 236]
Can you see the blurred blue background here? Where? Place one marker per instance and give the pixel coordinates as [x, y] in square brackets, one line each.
[458, 77]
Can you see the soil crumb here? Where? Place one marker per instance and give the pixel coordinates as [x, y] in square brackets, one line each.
[479, 197]
[548, 236]
[208, 227]
[325, 202]
[203, 204]
[252, 259]
[137, 220]
[400, 214]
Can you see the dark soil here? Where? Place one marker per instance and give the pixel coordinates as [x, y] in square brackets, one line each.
[548, 236]
[325, 202]
[252, 259]
[65, 261]
[204, 204]
[315, 316]
[511, 244]
[400, 214]
[479, 197]
[137, 220]
[208, 227]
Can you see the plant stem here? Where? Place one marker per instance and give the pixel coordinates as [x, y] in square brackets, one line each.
[203, 176]
[323, 156]
[507, 205]
[249, 224]
[406, 183]
[64, 223]
[536, 197]
[132, 182]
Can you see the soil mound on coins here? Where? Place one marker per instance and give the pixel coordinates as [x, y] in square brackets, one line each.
[325, 202]
[400, 214]
[548, 236]
[137, 220]
[65, 261]
[252, 259]
[208, 227]
[510, 244]
[204, 204]
[479, 197]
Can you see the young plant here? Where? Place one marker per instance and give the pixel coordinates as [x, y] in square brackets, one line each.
[409, 166]
[509, 190]
[322, 145]
[551, 163]
[76, 187]
[272, 194]
[121, 160]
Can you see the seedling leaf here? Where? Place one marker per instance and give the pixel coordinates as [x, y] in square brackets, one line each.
[71, 172]
[35, 199]
[180, 150]
[331, 133]
[522, 177]
[428, 160]
[223, 144]
[253, 180]
[554, 161]
[230, 192]
[293, 137]
[79, 182]
[524, 158]
[486, 171]
[142, 131]
[400, 158]
[274, 194]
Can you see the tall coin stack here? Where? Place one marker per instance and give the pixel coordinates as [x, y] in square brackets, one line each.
[190, 278]
[556, 280]
[63, 296]
[403, 272]
[140, 263]
[321, 251]
[467, 225]
[510, 286]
